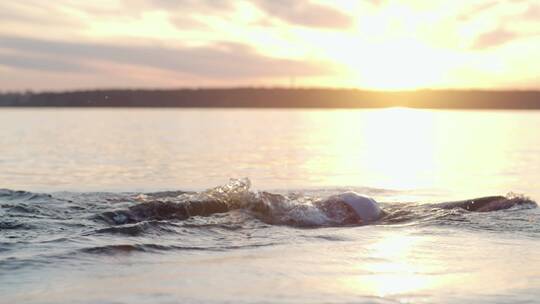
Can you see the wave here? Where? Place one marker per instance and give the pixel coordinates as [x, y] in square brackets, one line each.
[151, 247]
[6, 194]
[134, 214]
[293, 209]
[37, 229]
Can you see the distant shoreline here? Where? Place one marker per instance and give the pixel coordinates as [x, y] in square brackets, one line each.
[278, 98]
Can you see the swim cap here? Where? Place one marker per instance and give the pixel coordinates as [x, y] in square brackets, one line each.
[365, 207]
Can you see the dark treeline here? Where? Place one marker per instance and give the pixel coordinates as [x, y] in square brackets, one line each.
[278, 98]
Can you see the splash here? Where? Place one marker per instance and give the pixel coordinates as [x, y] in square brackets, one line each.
[139, 214]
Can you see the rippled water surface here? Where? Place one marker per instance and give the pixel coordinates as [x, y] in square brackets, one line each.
[136, 206]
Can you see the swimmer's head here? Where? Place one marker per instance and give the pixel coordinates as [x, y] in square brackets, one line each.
[365, 207]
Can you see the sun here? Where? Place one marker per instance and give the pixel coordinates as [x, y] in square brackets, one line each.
[383, 52]
[394, 64]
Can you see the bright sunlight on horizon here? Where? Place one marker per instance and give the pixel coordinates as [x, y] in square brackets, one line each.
[373, 44]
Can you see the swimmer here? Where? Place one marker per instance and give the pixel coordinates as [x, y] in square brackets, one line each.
[348, 208]
[353, 208]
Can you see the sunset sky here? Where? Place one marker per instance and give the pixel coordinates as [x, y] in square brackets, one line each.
[372, 44]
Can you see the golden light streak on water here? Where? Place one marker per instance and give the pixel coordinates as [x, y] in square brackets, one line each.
[400, 269]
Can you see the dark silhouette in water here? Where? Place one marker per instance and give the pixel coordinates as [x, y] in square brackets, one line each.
[359, 209]
[164, 210]
[347, 208]
[485, 204]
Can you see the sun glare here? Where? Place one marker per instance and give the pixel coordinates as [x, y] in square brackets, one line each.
[395, 145]
[381, 53]
[397, 271]
[395, 65]
[402, 151]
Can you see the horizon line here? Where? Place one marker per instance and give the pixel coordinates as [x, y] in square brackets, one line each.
[264, 87]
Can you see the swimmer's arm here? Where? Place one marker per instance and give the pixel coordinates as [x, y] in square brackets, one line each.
[472, 204]
[488, 203]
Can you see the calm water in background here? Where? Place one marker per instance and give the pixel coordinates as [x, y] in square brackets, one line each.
[59, 254]
[457, 153]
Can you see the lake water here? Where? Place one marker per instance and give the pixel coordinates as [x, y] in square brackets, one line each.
[62, 239]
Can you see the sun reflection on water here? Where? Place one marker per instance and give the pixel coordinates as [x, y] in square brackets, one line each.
[396, 273]
[398, 269]
[410, 149]
[402, 154]
[395, 145]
